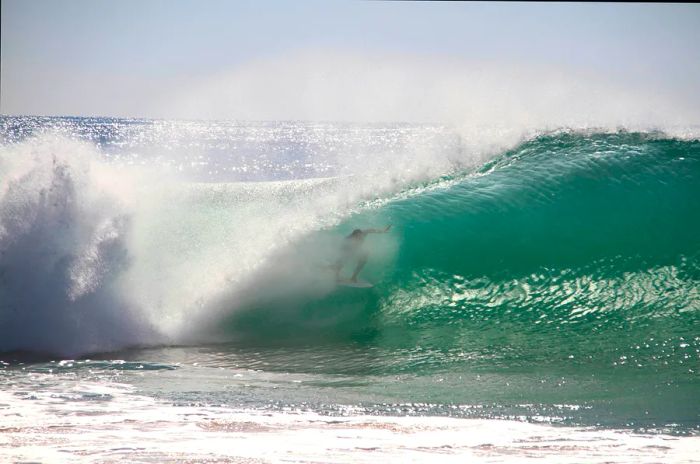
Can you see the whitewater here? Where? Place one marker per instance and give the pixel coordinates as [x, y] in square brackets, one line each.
[537, 295]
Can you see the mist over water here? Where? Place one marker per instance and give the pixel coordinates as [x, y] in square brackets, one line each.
[473, 94]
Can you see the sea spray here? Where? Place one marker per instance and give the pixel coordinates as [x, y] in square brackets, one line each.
[63, 245]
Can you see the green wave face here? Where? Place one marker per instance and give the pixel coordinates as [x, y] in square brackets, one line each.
[568, 249]
[567, 236]
[565, 203]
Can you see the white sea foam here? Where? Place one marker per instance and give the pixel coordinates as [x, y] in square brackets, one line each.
[62, 246]
[107, 422]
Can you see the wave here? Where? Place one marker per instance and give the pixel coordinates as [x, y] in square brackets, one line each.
[567, 235]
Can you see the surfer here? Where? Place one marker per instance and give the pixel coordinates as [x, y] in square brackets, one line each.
[352, 247]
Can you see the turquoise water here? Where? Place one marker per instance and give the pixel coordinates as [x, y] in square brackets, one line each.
[555, 282]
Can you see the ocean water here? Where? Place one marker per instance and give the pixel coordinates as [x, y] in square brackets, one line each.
[165, 293]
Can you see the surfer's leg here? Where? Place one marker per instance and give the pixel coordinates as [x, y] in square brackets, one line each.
[360, 264]
[345, 255]
[337, 267]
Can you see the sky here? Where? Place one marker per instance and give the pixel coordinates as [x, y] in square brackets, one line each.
[351, 60]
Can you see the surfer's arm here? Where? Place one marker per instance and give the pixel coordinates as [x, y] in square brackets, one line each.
[377, 231]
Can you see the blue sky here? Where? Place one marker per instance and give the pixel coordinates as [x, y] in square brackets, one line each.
[112, 57]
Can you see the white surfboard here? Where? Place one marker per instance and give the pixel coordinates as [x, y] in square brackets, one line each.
[359, 283]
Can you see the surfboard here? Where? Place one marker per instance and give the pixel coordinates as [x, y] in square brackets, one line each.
[359, 283]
